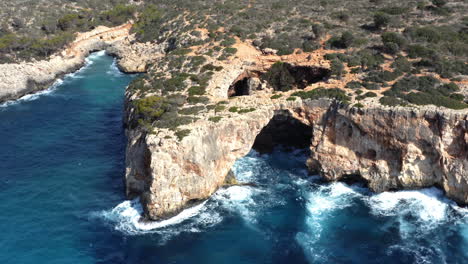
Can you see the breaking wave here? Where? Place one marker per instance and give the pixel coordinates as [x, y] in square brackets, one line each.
[33, 96]
[412, 226]
[419, 218]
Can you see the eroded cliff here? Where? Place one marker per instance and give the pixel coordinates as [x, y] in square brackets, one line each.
[389, 148]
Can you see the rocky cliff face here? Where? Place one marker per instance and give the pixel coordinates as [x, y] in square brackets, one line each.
[392, 149]
[389, 148]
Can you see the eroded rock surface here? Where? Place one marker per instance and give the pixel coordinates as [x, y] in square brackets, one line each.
[390, 148]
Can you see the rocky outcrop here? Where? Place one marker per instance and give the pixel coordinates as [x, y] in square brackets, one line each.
[19, 79]
[169, 174]
[392, 149]
[389, 148]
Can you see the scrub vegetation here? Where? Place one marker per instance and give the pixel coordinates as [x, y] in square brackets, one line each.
[401, 53]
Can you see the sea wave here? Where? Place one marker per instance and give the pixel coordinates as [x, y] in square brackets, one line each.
[126, 217]
[417, 216]
[33, 96]
[114, 70]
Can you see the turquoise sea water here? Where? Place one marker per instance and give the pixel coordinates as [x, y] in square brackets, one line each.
[61, 198]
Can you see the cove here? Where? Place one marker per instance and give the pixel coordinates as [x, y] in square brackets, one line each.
[62, 198]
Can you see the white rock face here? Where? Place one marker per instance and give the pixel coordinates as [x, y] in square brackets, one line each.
[390, 148]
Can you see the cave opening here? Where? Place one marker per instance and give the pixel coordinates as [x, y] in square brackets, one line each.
[240, 88]
[283, 130]
[245, 84]
[306, 75]
[285, 76]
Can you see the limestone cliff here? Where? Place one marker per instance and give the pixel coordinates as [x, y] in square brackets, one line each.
[19, 79]
[390, 148]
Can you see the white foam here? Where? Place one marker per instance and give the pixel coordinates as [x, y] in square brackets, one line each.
[33, 96]
[114, 70]
[239, 200]
[320, 206]
[428, 204]
[126, 218]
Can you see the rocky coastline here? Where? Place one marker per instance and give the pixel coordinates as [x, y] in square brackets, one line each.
[388, 148]
[19, 79]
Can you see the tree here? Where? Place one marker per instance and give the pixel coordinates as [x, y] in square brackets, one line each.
[318, 30]
[347, 39]
[337, 68]
[393, 42]
[381, 20]
[439, 3]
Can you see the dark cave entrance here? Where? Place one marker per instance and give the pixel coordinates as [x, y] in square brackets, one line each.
[283, 130]
[306, 75]
[245, 84]
[285, 76]
[240, 88]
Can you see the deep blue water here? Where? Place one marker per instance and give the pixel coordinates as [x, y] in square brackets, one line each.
[61, 180]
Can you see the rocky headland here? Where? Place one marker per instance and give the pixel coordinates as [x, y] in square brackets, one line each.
[19, 79]
[387, 148]
[176, 161]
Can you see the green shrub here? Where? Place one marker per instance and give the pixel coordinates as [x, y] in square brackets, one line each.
[343, 42]
[148, 25]
[198, 99]
[337, 68]
[197, 61]
[180, 134]
[211, 67]
[228, 42]
[353, 85]
[291, 98]
[219, 108]
[415, 51]
[381, 20]
[393, 42]
[181, 51]
[370, 94]
[370, 59]
[401, 64]
[191, 110]
[150, 108]
[371, 86]
[391, 101]
[215, 119]
[276, 96]
[358, 105]
[423, 98]
[230, 51]
[458, 97]
[234, 109]
[319, 30]
[333, 93]
[439, 3]
[280, 77]
[246, 110]
[196, 90]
